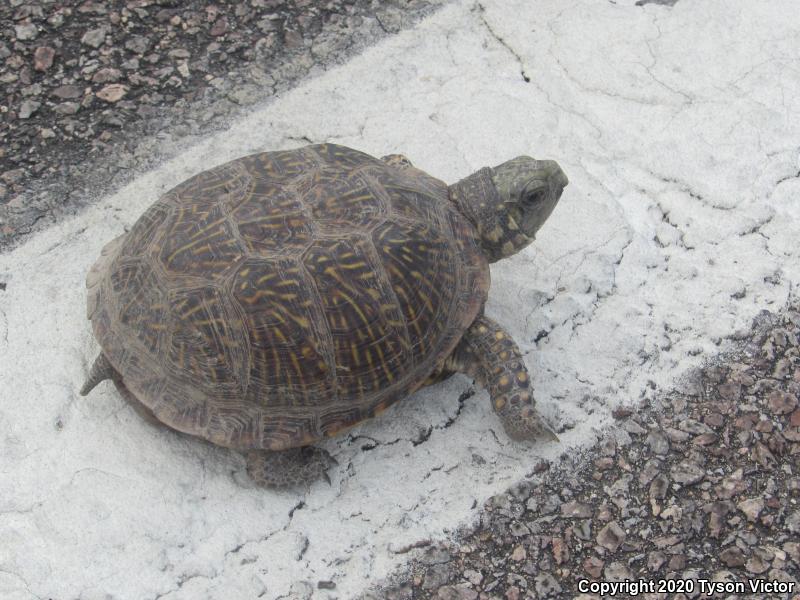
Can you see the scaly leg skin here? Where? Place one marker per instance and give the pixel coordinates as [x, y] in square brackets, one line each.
[490, 355]
[290, 468]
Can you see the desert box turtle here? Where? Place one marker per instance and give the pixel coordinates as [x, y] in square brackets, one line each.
[284, 296]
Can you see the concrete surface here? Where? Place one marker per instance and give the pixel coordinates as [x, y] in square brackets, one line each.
[678, 128]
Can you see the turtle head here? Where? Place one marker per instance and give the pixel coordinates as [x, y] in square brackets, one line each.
[510, 202]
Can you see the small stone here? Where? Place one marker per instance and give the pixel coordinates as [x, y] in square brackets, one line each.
[705, 439]
[730, 390]
[751, 508]
[26, 31]
[604, 463]
[132, 64]
[94, 37]
[43, 58]
[13, 175]
[650, 469]
[67, 92]
[292, 38]
[28, 108]
[473, 577]
[793, 522]
[695, 427]
[658, 488]
[794, 421]
[67, 108]
[179, 53]
[593, 567]
[714, 420]
[658, 442]
[456, 592]
[512, 593]
[793, 550]
[326, 585]
[112, 93]
[732, 557]
[436, 576]
[617, 571]
[560, 551]
[756, 565]
[546, 585]
[519, 553]
[138, 44]
[107, 75]
[604, 512]
[676, 435]
[731, 486]
[687, 473]
[611, 536]
[621, 412]
[677, 562]
[633, 428]
[576, 510]
[219, 27]
[781, 403]
[655, 560]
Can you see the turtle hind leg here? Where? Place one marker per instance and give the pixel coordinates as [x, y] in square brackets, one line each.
[100, 371]
[489, 354]
[289, 468]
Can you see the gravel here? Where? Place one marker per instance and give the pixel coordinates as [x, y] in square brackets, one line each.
[707, 488]
[92, 93]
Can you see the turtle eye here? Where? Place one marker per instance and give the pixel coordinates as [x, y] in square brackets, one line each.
[534, 195]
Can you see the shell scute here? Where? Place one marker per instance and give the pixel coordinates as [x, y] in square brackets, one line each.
[288, 365]
[370, 345]
[198, 242]
[423, 275]
[206, 346]
[338, 202]
[273, 221]
[231, 179]
[143, 314]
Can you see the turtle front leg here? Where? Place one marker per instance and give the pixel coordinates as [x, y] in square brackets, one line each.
[490, 355]
[294, 467]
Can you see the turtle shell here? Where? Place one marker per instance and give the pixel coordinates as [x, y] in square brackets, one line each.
[281, 297]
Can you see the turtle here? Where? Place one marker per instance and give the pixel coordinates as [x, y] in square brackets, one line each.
[282, 297]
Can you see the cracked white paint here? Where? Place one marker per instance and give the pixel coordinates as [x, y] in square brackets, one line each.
[678, 128]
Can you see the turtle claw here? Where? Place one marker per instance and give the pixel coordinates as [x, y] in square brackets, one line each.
[548, 435]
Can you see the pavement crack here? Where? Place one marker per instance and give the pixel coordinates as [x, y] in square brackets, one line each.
[481, 10]
[4, 325]
[299, 506]
[183, 580]
[787, 178]
[465, 395]
[409, 547]
[424, 436]
[688, 190]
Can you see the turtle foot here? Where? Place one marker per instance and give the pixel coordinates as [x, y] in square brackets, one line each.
[294, 467]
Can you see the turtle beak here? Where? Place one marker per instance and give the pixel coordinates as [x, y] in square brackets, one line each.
[556, 178]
